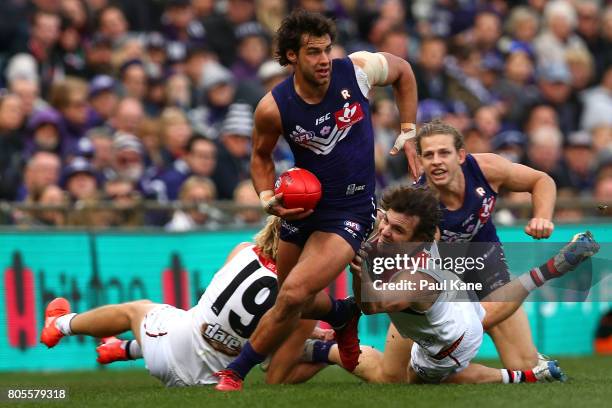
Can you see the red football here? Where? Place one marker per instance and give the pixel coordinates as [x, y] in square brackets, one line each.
[300, 188]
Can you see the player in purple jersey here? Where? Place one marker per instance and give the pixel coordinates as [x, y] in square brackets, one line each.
[322, 110]
[467, 187]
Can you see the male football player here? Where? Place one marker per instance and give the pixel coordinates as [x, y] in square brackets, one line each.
[322, 110]
[186, 347]
[447, 329]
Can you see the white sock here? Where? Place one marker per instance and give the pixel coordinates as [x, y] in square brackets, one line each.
[134, 351]
[63, 323]
[527, 282]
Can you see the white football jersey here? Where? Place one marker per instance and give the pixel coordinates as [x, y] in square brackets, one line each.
[227, 314]
[444, 322]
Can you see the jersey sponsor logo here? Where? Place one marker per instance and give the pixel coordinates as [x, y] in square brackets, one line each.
[322, 119]
[221, 340]
[348, 115]
[354, 188]
[345, 94]
[301, 135]
[480, 191]
[353, 225]
[351, 232]
[486, 209]
[290, 229]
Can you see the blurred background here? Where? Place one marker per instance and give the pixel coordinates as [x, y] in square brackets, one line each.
[121, 120]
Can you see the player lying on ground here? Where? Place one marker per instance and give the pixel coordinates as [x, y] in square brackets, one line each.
[446, 334]
[322, 111]
[182, 347]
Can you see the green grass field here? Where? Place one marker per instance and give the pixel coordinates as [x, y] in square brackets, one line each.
[590, 385]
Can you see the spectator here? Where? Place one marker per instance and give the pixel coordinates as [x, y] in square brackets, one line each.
[180, 25]
[103, 100]
[175, 133]
[271, 73]
[602, 137]
[200, 160]
[223, 25]
[178, 92]
[42, 44]
[199, 192]
[558, 35]
[41, 170]
[44, 132]
[544, 151]
[578, 156]
[98, 56]
[125, 198]
[245, 195]
[432, 79]
[101, 140]
[112, 23]
[515, 88]
[598, 103]
[253, 49]
[29, 91]
[127, 161]
[11, 148]
[522, 27]
[69, 98]
[219, 88]
[79, 179]
[582, 68]
[555, 85]
[486, 120]
[149, 135]
[510, 144]
[486, 32]
[540, 115]
[128, 116]
[133, 79]
[233, 150]
[50, 195]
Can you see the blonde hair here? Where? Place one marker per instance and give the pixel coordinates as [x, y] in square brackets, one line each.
[267, 238]
[197, 181]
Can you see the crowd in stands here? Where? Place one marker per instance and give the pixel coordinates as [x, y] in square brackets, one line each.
[122, 101]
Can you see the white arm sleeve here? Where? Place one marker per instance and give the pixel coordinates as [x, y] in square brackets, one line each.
[371, 70]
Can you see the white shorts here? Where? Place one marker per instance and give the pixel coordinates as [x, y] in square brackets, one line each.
[433, 370]
[166, 338]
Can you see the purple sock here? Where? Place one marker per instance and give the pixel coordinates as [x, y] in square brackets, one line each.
[320, 351]
[247, 359]
[339, 313]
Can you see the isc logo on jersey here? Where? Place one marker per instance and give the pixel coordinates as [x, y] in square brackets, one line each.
[221, 340]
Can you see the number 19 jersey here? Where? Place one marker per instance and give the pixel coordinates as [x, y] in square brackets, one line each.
[232, 305]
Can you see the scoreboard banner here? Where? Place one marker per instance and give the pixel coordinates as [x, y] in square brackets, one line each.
[91, 269]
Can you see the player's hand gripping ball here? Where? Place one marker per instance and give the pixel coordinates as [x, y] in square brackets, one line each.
[300, 188]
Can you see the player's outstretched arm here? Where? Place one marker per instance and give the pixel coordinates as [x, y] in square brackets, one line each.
[384, 69]
[267, 130]
[502, 173]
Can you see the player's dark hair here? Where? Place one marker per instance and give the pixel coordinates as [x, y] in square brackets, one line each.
[415, 201]
[437, 127]
[295, 25]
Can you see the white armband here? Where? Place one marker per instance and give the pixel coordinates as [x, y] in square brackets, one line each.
[374, 65]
